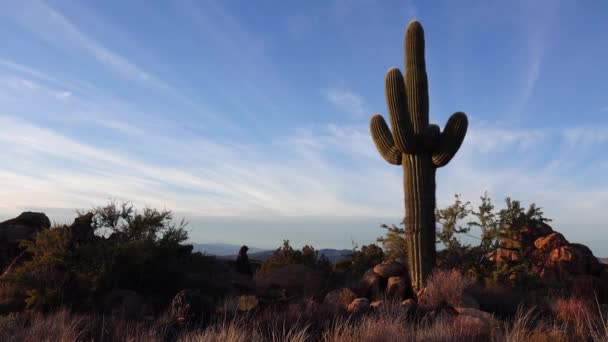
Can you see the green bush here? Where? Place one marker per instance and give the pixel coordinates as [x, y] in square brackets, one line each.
[286, 255]
[139, 251]
[360, 260]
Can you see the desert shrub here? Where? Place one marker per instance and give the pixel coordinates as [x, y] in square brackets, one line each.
[446, 287]
[286, 255]
[143, 253]
[393, 242]
[360, 260]
[502, 302]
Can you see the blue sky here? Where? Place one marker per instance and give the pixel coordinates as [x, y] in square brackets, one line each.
[250, 118]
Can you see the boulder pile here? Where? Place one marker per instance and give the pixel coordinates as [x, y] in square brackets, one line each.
[557, 261]
[386, 280]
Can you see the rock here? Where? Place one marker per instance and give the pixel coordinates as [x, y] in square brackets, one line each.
[409, 306]
[295, 279]
[593, 265]
[82, 229]
[434, 313]
[190, 306]
[339, 299]
[376, 304]
[124, 303]
[397, 287]
[248, 303]
[23, 227]
[358, 306]
[370, 285]
[550, 242]
[567, 260]
[507, 254]
[389, 269]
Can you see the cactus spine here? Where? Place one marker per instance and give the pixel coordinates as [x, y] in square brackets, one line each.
[419, 147]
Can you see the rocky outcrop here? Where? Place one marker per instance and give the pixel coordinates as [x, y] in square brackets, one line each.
[555, 260]
[389, 269]
[22, 227]
[388, 278]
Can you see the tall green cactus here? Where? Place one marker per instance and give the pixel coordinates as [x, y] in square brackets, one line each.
[419, 146]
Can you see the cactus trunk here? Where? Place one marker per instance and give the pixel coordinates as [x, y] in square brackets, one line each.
[419, 188]
[419, 146]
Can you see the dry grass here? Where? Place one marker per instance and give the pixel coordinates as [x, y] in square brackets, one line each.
[388, 324]
[446, 286]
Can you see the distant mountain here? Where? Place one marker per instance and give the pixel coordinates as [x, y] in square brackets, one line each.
[229, 251]
[332, 254]
[603, 260]
[222, 249]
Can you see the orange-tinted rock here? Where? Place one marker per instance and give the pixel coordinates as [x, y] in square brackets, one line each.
[358, 306]
[507, 254]
[397, 287]
[568, 260]
[550, 242]
[376, 304]
[389, 269]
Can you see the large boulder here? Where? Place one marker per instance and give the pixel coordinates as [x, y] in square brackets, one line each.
[550, 242]
[82, 230]
[296, 280]
[398, 288]
[390, 268]
[370, 285]
[568, 260]
[358, 306]
[22, 227]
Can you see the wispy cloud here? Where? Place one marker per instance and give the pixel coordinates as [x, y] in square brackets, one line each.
[538, 21]
[53, 27]
[346, 101]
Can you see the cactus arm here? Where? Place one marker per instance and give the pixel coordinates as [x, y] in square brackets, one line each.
[384, 140]
[451, 139]
[416, 81]
[396, 100]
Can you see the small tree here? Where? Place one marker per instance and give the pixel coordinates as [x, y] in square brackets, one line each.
[487, 222]
[360, 260]
[393, 242]
[448, 219]
[286, 255]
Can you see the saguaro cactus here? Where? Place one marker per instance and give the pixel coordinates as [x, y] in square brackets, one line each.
[419, 147]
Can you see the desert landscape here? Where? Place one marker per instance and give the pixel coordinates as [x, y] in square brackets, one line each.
[469, 268]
